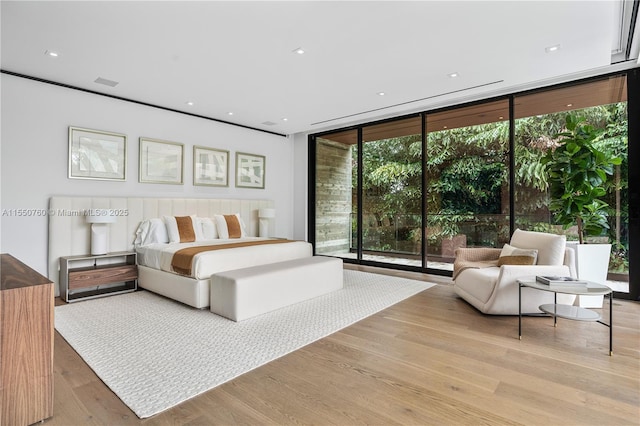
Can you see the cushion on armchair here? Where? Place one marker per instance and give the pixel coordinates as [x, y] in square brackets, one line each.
[511, 255]
[550, 247]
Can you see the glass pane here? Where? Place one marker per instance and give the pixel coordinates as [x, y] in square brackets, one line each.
[392, 191]
[540, 119]
[467, 181]
[336, 190]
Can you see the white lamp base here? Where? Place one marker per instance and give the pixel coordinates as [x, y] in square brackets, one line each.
[99, 238]
[263, 230]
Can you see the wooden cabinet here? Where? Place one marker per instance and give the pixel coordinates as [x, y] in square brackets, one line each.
[85, 277]
[26, 344]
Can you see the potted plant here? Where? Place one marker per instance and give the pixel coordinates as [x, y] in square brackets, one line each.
[577, 174]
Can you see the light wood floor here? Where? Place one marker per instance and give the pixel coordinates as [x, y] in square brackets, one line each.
[431, 359]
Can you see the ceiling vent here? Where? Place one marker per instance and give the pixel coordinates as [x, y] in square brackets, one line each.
[269, 123]
[106, 82]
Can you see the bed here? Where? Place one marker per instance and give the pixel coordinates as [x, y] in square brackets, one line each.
[157, 274]
[69, 235]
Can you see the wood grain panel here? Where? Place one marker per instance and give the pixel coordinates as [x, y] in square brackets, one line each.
[26, 347]
[90, 277]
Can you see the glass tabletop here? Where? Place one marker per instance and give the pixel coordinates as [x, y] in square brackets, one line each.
[591, 288]
[570, 312]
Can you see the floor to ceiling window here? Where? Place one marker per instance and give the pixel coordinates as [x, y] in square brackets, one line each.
[466, 180]
[392, 191]
[408, 192]
[539, 119]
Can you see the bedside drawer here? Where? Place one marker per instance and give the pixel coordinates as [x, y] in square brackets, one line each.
[91, 277]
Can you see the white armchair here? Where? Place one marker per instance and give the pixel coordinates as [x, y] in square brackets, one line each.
[493, 288]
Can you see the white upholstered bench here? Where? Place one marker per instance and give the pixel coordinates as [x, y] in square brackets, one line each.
[244, 293]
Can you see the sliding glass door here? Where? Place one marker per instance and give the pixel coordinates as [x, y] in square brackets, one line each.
[467, 180]
[392, 192]
[539, 118]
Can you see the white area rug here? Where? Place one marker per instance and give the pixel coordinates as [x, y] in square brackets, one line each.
[155, 353]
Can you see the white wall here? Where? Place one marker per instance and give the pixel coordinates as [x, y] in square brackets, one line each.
[300, 186]
[34, 157]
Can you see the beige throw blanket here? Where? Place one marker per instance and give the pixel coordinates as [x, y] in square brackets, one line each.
[459, 266]
[182, 260]
[466, 258]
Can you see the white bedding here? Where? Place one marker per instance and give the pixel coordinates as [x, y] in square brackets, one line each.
[159, 255]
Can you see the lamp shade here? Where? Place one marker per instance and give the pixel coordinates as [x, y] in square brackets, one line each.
[99, 220]
[266, 213]
[100, 216]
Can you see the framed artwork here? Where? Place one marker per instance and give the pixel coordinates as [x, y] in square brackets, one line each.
[250, 170]
[161, 161]
[95, 154]
[210, 166]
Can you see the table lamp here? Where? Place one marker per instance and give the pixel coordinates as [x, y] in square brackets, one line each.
[265, 216]
[99, 220]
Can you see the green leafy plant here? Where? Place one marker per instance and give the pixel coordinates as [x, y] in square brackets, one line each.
[577, 175]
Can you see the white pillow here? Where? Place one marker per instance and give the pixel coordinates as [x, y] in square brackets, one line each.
[223, 229]
[550, 247]
[209, 229]
[151, 231]
[174, 232]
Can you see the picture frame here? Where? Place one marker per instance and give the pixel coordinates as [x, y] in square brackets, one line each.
[97, 154]
[161, 161]
[250, 170]
[210, 166]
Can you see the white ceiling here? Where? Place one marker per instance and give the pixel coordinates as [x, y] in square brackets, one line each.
[238, 56]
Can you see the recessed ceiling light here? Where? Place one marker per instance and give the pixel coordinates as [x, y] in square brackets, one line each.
[453, 75]
[569, 105]
[285, 119]
[51, 53]
[230, 113]
[500, 118]
[551, 49]
[381, 93]
[298, 50]
[189, 103]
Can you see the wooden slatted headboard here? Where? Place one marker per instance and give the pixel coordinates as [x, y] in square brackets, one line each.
[69, 233]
